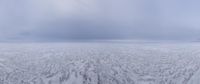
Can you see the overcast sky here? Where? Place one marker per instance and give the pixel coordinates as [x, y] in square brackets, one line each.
[60, 20]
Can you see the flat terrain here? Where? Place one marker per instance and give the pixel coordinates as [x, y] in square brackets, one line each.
[100, 63]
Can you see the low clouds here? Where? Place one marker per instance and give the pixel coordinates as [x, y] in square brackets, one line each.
[62, 20]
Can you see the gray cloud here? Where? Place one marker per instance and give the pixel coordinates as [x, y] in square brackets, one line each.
[61, 20]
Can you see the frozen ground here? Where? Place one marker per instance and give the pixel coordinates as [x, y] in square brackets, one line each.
[100, 63]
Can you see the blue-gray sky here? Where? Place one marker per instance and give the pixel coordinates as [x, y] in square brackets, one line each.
[60, 20]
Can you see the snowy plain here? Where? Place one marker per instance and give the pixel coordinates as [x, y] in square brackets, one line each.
[99, 63]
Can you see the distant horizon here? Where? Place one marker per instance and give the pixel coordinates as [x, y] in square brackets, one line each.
[102, 41]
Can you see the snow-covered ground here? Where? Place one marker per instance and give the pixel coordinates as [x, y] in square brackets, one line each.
[100, 63]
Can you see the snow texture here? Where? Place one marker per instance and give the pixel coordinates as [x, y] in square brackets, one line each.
[100, 63]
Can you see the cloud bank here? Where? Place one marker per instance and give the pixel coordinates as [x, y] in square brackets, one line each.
[62, 20]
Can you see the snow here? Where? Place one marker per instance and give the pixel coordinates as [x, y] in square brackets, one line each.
[100, 63]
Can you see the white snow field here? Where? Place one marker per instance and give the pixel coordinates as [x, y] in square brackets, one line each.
[100, 63]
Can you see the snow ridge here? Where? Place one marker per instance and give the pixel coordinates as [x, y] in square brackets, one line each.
[99, 63]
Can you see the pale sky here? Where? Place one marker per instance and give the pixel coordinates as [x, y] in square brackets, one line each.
[60, 20]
